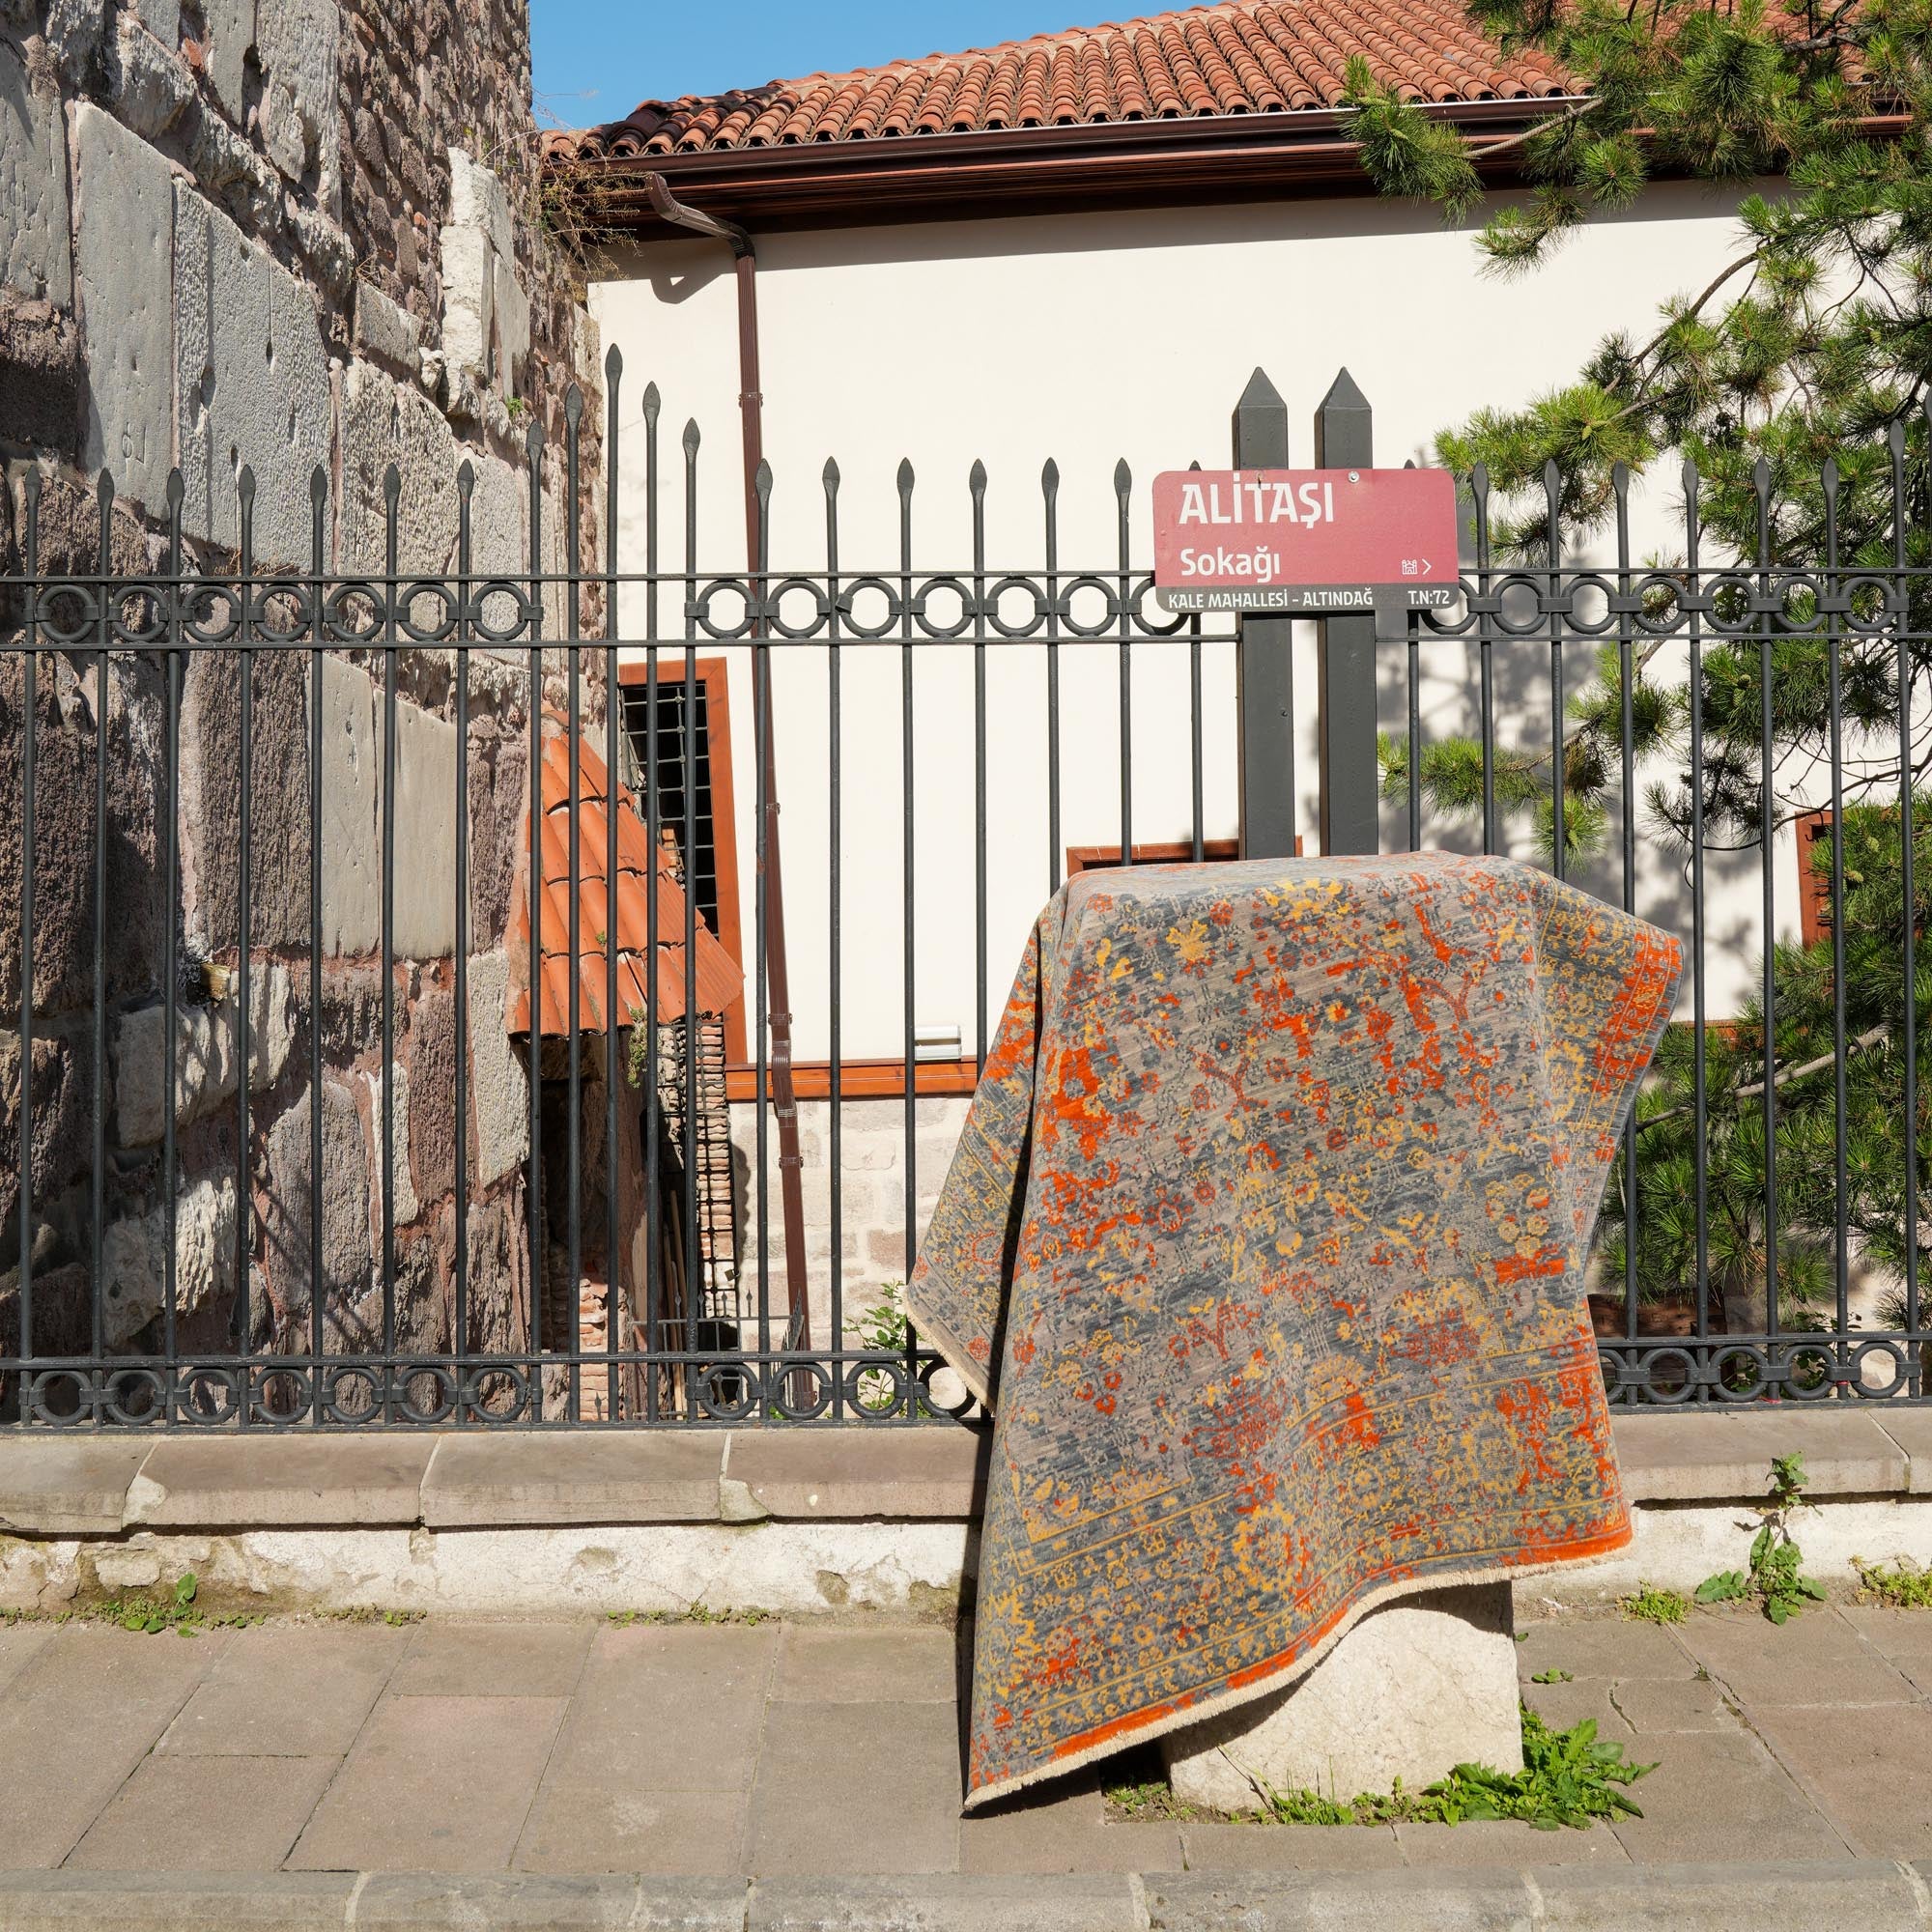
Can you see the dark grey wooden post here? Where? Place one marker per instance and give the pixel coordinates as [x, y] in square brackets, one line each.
[1264, 665]
[1345, 661]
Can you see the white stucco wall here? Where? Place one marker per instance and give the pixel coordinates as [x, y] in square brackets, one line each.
[1086, 338]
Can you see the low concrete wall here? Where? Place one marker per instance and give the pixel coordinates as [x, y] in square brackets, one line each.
[793, 1521]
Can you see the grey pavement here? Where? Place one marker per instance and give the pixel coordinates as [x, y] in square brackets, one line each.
[803, 1755]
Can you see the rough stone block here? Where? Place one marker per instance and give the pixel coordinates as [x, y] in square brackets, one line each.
[498, 547]
[135, 1259]
[124, 273]
[162, 19]
[385, 422]
[63, 1117]
[406, 1205]
[1417, 1688]
[424, 904]
[208, 1055]
[34, 247]
[299, 113]
[384, 330]
[500, 1089]
[231, 33]
[40, 387]
[252, 384]
[279, 824]
[345, 1203]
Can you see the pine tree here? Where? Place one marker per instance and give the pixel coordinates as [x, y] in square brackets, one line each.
[1793, 388]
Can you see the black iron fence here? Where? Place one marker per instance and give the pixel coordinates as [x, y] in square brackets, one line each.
[340, 1099]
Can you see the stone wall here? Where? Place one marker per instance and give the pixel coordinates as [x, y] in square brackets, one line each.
[286, 235]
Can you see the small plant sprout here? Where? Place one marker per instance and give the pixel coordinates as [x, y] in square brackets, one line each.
[1649, 1605]
[1773, 1578]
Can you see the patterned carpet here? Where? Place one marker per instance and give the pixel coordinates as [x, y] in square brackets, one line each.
[1264, 1242]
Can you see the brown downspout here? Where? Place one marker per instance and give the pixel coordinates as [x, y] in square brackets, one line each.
[784, 1102]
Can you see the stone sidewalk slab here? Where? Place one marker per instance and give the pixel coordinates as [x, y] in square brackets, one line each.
[1876, 1895]
[433, 1784]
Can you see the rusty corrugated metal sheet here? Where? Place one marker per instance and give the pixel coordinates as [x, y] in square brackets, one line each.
[718, 978]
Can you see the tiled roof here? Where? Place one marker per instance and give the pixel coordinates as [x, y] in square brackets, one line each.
[719, 981]
[1237, 57]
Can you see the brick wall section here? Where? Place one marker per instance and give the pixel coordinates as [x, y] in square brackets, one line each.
[872, 1197]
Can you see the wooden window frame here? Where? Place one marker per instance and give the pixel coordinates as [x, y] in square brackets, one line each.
[714, 681]
[1156, 852]
[1814, 893]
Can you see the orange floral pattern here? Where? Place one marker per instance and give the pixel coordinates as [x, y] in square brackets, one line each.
[1266, 1241]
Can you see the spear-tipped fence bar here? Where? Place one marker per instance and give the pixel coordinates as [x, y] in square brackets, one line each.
[682, 1342]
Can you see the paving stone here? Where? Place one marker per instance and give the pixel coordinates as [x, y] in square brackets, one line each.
[1708, 1457]
[433, 1784]
[288, 1691]
[1814, 1658]
[824, 1765]
[112, 1690]
[450, 1658]
[1564, 1705]
[666, 1708]
[528, 1902]
[34, 243]
[1712, 1795]
[840, 1472]
[51, 1487]
[19, 1645]
[575, 1828]
[1262, 1848]
[124, 270]
[1603, 1647]
[251, 384]
[1794, 1897]
[1060, 1830]
[152, 1901]
[1904, 1637]
[205, 1814]
[633, 1476]
[1872, 1767]
[1654, 1709]
[1206, 1901]
[1508, 1843]
[219, 1481]
[948, 1903]
[863, 1667]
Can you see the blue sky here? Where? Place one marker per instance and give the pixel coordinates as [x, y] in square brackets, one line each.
[596, 58]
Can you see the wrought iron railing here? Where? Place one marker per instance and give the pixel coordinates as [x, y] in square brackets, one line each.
[197, 1266]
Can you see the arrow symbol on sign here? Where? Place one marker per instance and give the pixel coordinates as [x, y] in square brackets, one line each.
[1426, 566]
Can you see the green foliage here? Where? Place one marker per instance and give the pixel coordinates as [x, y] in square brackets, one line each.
[1809, 339]
[1569, 1779]
[698, 1613]
[1774, 1578]
[1551, 1676]
[1649, 1605]
[1663, 1222]
[1904, 1587]
[176, 1612]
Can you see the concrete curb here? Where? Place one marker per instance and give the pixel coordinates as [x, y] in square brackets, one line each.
[1876, 1894]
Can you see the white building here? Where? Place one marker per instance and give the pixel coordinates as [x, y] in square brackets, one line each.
[1075, 247]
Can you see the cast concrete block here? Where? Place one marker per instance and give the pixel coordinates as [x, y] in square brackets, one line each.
[224, 1481]
[1417, 1688]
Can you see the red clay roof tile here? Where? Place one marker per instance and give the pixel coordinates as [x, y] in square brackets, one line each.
[1235, 57]
[719, 981]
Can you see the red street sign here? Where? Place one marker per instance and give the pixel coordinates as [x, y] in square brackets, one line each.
[1307, 541]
